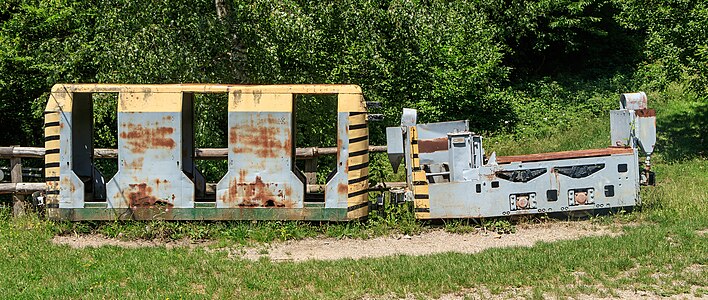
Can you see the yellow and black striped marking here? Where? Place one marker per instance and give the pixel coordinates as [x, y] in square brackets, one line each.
[420, 182]
[358, 166]
[52, 128]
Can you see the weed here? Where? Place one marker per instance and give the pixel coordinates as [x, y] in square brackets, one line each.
[397, 216]
[5, 213]
[460, 226]
[501, 226]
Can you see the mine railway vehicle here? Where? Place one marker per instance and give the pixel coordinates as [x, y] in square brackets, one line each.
[448, 173]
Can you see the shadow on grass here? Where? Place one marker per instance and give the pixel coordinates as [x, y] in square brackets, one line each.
[683, 134]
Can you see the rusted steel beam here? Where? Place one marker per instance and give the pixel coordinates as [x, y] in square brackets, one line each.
[432, 145]
[199, 153]
[563, 155]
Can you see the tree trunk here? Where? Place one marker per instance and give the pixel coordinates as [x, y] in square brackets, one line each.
[221, 11]
[236, 54]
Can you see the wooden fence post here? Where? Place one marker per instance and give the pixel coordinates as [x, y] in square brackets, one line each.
[311, 170]
[18, 200]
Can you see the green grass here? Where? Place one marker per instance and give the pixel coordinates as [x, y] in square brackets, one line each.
[661, 252]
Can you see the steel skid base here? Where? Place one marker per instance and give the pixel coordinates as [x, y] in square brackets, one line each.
[199, 214]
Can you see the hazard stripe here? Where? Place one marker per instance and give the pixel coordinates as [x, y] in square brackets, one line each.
[358, 153]
[358, 206]
[360, 179]
[359, 166]
[358, 139]
[357, 126]
[51, 138]
[357, 193]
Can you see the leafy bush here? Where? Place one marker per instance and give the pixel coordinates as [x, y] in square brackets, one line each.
[516, 66]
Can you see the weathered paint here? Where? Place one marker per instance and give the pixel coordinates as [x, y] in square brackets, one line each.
[261, 154]
[563, 155]
[357, 165]
[204, 213]
[157, 178]
[52, 128]
[460, 199]
[421, 196]
[433, 145]
[150, 153]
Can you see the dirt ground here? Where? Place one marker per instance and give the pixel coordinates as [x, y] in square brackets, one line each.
[434, 241]
[524, 293]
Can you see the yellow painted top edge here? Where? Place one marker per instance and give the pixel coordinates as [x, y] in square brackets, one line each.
[208, 88]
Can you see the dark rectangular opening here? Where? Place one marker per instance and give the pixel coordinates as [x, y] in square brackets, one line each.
[495, 184]
[609, 191]
[94, 125]
[208, 123]
[552, 195]
[622, 168]
[478, 188]
[316, 126]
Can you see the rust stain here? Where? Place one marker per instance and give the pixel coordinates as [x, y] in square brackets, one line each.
[141, 138]
[342, 189]
[66, 182]
[564, 155]
[266, 138]
[644, 113]
[136, 164]
[141, 197]
[432, 145]
[556, 175]
[490, 177]
[257, 193]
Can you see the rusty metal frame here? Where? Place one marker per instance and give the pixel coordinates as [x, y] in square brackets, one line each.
[157, 178]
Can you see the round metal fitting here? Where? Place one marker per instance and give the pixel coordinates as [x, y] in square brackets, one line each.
[581, 197]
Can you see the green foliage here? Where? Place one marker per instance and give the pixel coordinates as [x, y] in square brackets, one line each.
[5, 213]
[550, 36]
[521, 71]
[449, 59]
[397, 217]
[675, 41]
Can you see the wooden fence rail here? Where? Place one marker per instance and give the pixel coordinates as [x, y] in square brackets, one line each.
[199, 153]
[19, 188]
